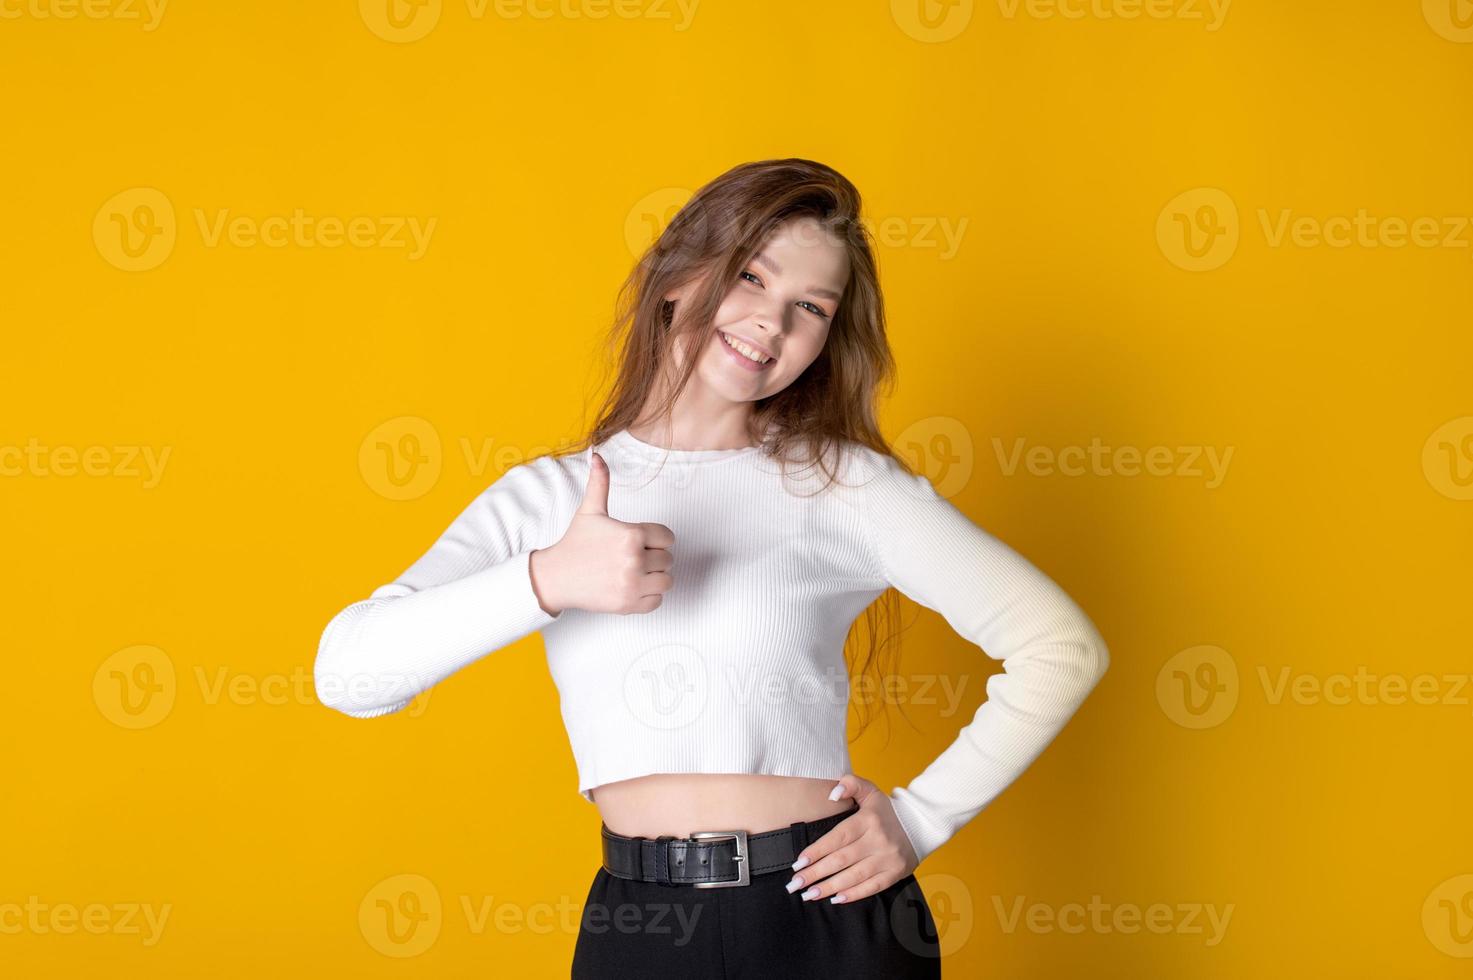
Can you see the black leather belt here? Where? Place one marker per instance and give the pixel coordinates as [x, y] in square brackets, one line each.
[711, 858]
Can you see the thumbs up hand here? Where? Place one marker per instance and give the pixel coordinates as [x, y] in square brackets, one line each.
[602, 564]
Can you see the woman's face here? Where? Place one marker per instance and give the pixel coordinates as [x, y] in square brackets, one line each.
[779, 308]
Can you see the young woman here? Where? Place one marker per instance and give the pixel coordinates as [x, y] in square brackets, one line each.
[694, 566]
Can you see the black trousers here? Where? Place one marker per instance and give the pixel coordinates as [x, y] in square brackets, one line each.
[632, 929]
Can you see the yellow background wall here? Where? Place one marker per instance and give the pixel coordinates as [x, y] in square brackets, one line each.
[1114, 233]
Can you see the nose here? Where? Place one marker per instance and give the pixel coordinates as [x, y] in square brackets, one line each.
[771, 321]
[763, 332]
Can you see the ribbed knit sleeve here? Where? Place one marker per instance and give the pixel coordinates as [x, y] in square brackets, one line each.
[468, 595]
[1052, 653]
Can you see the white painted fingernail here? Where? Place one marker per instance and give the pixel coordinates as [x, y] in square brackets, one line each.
[810, 894]
[801, 863]
[837, 792]
[836, 899]
[794, 885]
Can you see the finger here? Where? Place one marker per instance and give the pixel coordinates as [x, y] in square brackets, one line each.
[657, 560]
[826, 867]
[870, 886]
[853, 787]
[832, 852]
[657, 535]
[866, 867]
[844, 832]
[655, 583]
[596, 495]
[845, 788]
[647, 604]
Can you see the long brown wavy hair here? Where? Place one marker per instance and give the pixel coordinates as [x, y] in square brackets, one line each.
[713, 237]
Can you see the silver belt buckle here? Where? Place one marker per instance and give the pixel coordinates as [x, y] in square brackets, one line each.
[744, 871]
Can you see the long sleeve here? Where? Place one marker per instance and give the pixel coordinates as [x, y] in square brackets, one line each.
[467, 596]
[1052, 653]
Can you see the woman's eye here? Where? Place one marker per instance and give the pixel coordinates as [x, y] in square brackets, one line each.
[813, 308]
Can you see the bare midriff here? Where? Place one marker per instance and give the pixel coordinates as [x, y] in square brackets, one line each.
[683, 803]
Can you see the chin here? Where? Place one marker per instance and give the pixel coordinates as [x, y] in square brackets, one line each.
[731, 392]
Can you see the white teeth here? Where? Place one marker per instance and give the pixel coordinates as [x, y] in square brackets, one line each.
[744, 350]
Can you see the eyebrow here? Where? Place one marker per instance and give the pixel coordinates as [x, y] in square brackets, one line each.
[777, 271]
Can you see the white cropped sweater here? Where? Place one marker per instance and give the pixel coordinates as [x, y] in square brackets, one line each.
[740, 669]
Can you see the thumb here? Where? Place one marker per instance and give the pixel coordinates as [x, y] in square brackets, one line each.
[596, 497]
[853, 787]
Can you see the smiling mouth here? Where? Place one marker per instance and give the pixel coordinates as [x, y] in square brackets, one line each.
[744, 349]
